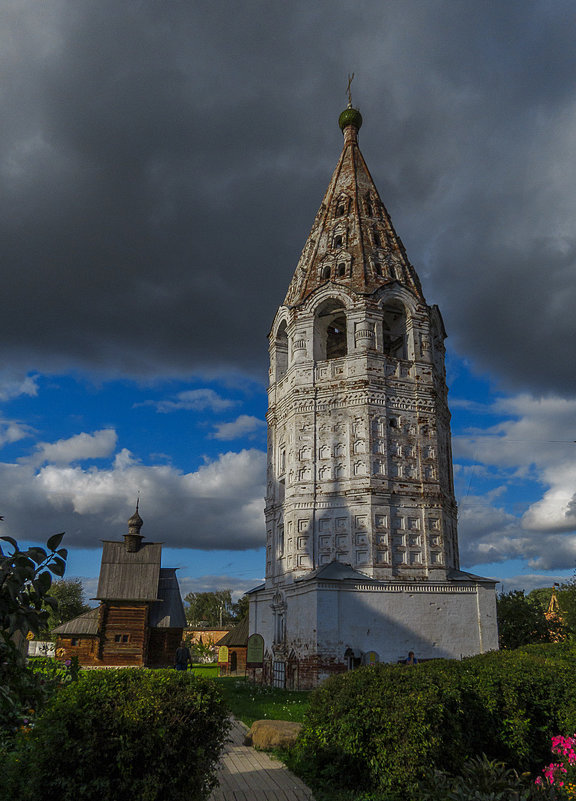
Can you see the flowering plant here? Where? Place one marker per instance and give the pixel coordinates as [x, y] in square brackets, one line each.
[562, 774]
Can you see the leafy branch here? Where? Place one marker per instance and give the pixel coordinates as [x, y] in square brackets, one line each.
[25, 581]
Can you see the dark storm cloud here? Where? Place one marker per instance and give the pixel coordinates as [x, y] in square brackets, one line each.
[162, 163]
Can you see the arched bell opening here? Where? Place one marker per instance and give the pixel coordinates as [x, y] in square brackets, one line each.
[330, 329]
[281, 345]
[394, 330]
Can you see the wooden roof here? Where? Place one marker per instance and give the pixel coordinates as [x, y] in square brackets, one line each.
[169, 612]
[86, 624]
[238, 637]
[129, 576]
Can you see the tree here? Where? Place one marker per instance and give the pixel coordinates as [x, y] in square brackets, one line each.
[71, 600]
[567, 601]
[542, 595]
[522, 620]
[241, 608]
[208, 609]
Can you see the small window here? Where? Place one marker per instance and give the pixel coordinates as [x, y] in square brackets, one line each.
[74, 641]
[393, 422]
[338, 241]
[341, 269]
[124, 638]
[340, 211]
[369, 209]
[326, 272]
[376, 237]
[378, 268]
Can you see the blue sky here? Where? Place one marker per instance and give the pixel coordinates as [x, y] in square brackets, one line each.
[161, 168]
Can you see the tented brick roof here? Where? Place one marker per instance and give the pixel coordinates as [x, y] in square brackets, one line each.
[352, 241]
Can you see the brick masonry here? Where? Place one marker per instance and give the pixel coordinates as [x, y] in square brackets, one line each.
[359, 456]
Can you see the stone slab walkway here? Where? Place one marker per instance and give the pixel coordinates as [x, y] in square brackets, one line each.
[248, 775]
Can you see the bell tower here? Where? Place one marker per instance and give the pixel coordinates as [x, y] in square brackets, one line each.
[360, 466]
[360, 493]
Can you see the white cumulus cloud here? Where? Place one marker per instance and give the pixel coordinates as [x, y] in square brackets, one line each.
[244, 425]
[98, 445]
[218, 506]
[535, 443]
[13, 385]
[13, 431]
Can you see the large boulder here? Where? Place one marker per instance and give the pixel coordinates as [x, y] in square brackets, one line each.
[267, 734]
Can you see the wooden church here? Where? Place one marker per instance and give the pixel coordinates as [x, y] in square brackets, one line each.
[140, 618]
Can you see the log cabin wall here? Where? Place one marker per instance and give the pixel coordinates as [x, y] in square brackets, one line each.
[85, 648]
[124, 633]
[162, 646]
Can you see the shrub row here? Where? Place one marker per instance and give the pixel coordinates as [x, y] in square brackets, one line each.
[381, 729]
[115, 734]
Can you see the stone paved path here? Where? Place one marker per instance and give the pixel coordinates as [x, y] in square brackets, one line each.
[248, 775]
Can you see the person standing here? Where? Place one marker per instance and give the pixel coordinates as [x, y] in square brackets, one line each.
[182, 657]
[411, 660]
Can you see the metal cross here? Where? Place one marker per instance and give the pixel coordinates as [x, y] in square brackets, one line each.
[348, 90]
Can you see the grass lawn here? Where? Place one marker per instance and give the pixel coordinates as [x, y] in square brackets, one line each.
[209, 671]
[249, 702]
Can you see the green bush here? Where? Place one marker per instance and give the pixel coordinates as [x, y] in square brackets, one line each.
[381, 729]
[116, 734]
[26, 689]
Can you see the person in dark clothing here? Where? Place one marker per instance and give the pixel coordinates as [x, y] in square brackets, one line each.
[182, 657]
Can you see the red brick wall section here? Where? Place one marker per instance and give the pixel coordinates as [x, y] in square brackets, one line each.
[301, 674]
[226, 667]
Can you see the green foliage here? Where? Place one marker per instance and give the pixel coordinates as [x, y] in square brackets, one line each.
[241, 608]
[522, 620]
[481, 779]
[209, 608]
[71, 602]
[25, 689]
[25, 581]
[382, 729]
[128, 733]
[203, 651]
[566, 595]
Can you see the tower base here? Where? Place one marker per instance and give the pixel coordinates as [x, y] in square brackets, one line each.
[336, 619]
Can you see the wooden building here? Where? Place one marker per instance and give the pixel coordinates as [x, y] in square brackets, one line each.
[140, 618]
[236, 643]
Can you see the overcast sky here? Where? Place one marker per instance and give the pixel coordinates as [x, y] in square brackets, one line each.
[162, 162]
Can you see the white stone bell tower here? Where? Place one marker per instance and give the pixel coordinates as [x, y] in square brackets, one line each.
[360, 492]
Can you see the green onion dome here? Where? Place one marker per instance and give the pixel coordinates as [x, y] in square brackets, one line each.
[350, 116]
